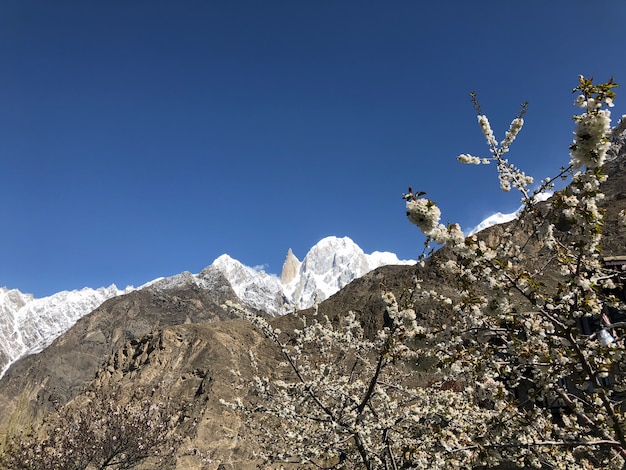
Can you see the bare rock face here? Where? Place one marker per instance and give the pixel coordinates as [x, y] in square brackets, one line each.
[290, 268]
[191, 366]
[62, 370]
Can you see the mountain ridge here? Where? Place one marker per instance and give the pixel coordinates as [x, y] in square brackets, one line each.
[29, 324]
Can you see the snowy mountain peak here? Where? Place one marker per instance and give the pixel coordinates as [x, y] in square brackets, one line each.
[12, 300]
[495, 219]
[257, 289]
[235, 270]
[500, 218]
[329, 266]
[331, 253]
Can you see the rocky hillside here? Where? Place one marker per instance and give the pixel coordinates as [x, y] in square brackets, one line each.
[72, 360]
[180, 344]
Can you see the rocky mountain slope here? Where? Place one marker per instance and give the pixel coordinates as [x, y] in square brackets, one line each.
[177, 341]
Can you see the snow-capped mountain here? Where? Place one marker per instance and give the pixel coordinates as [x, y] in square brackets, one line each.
[329, 266]
[28, 325]
[254, 287]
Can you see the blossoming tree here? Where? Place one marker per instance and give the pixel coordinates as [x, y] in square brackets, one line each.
[528, 368]
[99, 430]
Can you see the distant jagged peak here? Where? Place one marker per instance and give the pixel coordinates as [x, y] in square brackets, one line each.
[346, 253]
[6, 291]
[254, 287]
[235, 270]
[333, 253]
[291, 266]
[331, 264]
[13, 299]
[327, 267]
[29, 324]
[225, 260]
[337, 244]
[232, 268]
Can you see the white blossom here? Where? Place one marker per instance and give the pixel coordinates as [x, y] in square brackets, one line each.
[469, 159]
[514, 128]
[590, 142]
[424, 213]
[487, 132]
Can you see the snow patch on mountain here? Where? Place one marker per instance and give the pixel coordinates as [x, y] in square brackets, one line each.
[500, 218]
[495, 219]
[28, 325]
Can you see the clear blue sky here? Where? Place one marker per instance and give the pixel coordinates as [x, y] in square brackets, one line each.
[143, 138]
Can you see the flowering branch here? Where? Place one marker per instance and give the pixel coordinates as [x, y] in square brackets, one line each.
[540, 349]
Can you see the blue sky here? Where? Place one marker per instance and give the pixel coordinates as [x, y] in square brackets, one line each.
[140, 139]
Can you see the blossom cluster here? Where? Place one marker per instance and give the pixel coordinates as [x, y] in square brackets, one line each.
[483, 122]
[337, 388]
[107, 431]
[514, 128]
[590, 142]
[424, 213]
[509, 175]
[468, 159]
[497, 150]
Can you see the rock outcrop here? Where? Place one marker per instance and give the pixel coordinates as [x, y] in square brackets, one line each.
[290, 268]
